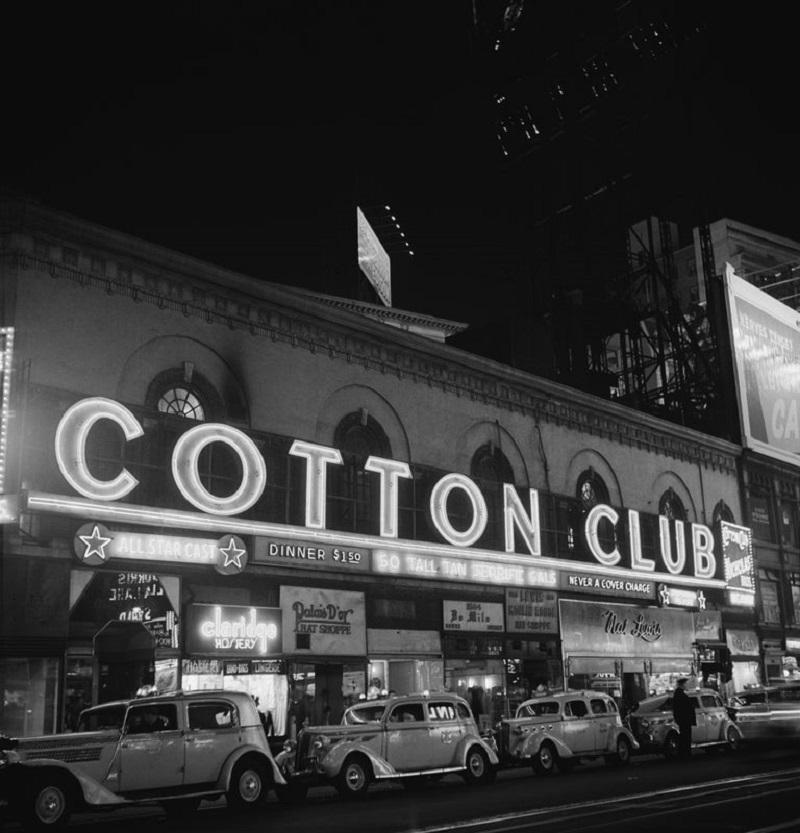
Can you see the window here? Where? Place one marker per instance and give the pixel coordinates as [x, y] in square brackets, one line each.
[576, 708]
[769, 608]
[353, 493]
[591, 490]
[671, 506]
[212, 716]
[794, 578]
[407, 713]
[441, 711]
[710, 701]
[788, 518]
[722, 512]
[540, 708]
[180, 401]
[153, 717]
[598, 706]
[108, 717]
[490, 470]
[463, 712]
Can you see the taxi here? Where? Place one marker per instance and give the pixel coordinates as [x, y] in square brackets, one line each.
[768, 712]
[558, 730]
[406, 739]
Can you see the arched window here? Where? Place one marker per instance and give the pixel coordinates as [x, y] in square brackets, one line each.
[354, 494]
[490, 469]
[181, 401]
[671, 506]
[722, 512]
[591, 489]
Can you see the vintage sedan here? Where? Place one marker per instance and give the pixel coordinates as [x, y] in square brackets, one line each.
[654, 725]
[174, 749]
[409, 738]
[768, 712]
[559, 729]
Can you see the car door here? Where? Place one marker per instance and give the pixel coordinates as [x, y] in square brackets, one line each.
[212, 733]
[445, 731]
[603, 722]
[409, 747]
[151, 752]
[714, 715]
[578, 727]
[700, 730]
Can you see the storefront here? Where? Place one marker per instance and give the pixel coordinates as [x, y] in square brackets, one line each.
[745, 658]
[404, 661]
[628, 651]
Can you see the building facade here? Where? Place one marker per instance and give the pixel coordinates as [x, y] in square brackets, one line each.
[211, 480]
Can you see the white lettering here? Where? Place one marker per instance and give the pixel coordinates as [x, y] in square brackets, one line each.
[317, 457]
[527, 523]
[596, 514]
[438, 505]
[389, 471]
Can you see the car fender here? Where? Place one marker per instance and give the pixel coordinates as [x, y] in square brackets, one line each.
[623, 732]
[732, 725]
[467, 743]
[93, 792]
[332, 763]
[224, 780]
[533, 742]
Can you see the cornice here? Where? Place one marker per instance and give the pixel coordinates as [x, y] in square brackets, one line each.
[264, 310]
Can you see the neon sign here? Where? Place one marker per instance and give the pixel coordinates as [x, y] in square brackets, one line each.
[521, 523]
[230, 630]
[6, 359]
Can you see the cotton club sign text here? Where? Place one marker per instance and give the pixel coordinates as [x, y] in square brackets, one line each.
[74, 427]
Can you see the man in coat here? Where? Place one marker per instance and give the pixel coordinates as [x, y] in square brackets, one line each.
[683, 712]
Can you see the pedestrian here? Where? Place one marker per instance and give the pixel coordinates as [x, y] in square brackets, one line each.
[683, 712]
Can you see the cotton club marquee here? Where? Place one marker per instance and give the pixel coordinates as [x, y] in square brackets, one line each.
[70, 449]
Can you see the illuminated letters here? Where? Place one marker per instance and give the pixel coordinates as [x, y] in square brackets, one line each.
[597, 513]
[440, 493]
[187, 477]
[389, 470]
[676, 565]
[528, 525]
[318, 457]
[71, 436]
[638, 561]
[705, 562]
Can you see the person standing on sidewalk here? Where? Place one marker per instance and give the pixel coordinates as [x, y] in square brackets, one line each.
[683, 712]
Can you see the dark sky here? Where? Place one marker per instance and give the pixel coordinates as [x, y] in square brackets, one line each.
[244, 132]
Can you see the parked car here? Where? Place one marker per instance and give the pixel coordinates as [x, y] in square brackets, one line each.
[654, 726]
[408, 738]
[559, 729]
[768, 712]
[175, 749]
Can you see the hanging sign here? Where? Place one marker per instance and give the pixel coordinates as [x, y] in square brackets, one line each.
[531, 611]
[322, 621]
[473, 616]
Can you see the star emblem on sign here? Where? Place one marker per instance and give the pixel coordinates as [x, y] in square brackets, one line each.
[232, 556]
[701, 600]
[94, 545]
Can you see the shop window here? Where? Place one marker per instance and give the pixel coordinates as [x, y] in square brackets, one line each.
[354, 494]
[769, 605]
[29, 687]
[490, 469]
[671, 506]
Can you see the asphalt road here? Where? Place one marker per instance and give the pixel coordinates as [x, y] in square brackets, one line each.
[754, 791]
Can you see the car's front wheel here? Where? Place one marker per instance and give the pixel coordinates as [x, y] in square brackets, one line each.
[354, 777]
[249, 785]
[47, 803]
[544, 759]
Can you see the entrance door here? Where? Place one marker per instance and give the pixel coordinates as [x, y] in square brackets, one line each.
[152, 752]
[328, 706]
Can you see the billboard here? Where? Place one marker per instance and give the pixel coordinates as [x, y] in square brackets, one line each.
[765, 339]
[373, 260]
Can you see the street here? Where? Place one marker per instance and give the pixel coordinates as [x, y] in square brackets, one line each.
[750, 792]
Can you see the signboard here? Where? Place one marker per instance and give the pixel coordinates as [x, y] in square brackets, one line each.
[303, 554]
[95, 544]
[531, 611]
[669, 596]
[373, 260]
[233, 631]
[6, 364]
[737, 557]
[617, 630]
[201, 666]
[766, 350]
[473, 616]
[742, 643]
[235, 667]
[129, 596]
[601, 585]
[323, 622]
[708, 626]
[452, 568]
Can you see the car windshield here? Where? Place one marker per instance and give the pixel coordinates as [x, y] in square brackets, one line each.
[363, 714]
[655, 704]
[106, 717]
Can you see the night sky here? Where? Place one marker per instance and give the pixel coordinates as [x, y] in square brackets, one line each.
[244, 133]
